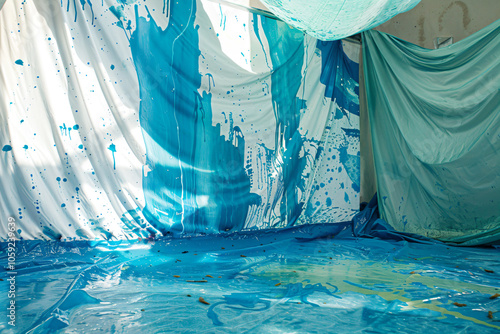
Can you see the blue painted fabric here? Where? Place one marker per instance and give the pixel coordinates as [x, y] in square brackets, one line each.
[367, 224]
[435, 123]
[332, 20]
[125, 120]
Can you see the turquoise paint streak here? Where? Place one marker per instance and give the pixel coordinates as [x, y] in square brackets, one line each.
[287, 53]
[112, 148]
[340, 75]
[197, 182]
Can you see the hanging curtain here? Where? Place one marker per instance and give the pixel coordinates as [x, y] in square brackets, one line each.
[125, 119]
[435, 122]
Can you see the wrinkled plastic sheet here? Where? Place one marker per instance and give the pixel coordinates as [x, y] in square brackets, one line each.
[299, 280]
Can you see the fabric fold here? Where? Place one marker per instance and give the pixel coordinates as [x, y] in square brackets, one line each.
[435, 123]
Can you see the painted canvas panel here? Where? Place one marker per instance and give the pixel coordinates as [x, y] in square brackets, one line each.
[127, 119]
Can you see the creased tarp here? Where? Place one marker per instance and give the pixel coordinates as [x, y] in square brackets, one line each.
[367, 224]
[285, 282]
[134, 120]
[332, 20]
[435, 122]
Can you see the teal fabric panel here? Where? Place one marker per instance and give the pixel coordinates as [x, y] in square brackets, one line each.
[435, 122]
[332, 20]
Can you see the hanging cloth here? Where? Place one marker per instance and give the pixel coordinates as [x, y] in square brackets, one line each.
[435, 122]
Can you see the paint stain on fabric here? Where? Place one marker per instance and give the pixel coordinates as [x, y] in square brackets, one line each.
[198, 183]
[340, 75]
[112, 148]
[285, 82]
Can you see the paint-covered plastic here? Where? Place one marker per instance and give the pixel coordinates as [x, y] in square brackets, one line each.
[279, 281]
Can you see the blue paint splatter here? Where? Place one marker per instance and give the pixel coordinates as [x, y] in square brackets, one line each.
[351, 164]
[112, 148]
[7, 148]
[19, 62]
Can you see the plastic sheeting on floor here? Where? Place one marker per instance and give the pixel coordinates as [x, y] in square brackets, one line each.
[124, 119]
[255, 282]
[332, 20]
[435, 124]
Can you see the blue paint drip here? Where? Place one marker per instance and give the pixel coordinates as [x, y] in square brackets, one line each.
[256, 31]
[210, 81]
[112, 148]
[91, 11]
[7, 148]
[63, 129]
[195, 185]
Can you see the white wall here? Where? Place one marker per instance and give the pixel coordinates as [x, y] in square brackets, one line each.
[442, 18]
